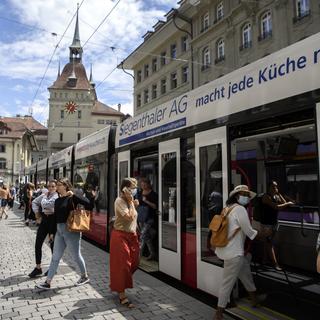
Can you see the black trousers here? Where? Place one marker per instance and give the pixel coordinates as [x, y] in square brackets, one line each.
[47, 226]
[26, 211]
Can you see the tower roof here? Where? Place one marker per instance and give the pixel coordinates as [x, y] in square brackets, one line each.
[75, 48]
[72, 69]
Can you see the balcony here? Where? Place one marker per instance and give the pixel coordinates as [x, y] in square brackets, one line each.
[301, 16]
[265, 35]
[245, 45]
[219, 59]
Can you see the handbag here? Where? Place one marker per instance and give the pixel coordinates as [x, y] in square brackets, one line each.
[78, 220]
[143, 214]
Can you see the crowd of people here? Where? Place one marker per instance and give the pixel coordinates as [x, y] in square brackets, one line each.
[134, 232]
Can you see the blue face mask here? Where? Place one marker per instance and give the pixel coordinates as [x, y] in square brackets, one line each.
[243, 200]
[134, 192]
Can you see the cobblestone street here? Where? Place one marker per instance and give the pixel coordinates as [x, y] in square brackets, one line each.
[19, 300]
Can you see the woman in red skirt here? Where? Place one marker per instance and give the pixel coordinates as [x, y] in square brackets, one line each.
[124, 245]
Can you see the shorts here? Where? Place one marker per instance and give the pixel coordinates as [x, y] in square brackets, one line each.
[268, 231]
[4, 202]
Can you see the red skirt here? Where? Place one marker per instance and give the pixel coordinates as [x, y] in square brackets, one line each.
[124, 259]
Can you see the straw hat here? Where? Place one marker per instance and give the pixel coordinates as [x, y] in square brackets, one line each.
[133, 181]
[242, 188]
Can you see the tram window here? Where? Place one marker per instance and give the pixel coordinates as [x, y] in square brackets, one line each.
[91, 174]
[123, 171]
[188, 209]
[210, 194]
[290, 158]
[169, 200]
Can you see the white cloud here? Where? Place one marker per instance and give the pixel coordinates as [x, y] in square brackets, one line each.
[27, 55]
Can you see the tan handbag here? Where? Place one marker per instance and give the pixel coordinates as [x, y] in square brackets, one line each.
[79, 220]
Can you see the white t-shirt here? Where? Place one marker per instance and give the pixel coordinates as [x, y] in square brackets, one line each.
[238, 217]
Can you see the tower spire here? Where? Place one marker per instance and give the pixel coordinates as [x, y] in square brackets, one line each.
[75, 48]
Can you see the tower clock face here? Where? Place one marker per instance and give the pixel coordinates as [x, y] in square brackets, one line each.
[71, 107]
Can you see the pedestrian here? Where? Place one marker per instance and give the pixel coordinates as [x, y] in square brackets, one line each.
[236, 263]
[64, 204]
[147, 211]
[12, 196]
[27, 199]
[4, 197]
[124, 244]
[272, 202]
[43, 207]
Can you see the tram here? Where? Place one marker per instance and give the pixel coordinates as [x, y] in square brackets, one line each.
[250, 126]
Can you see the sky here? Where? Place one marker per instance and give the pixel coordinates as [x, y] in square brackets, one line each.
[31, 29]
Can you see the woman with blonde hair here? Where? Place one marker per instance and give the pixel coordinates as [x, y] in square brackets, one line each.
[124, 245]
[63, 205]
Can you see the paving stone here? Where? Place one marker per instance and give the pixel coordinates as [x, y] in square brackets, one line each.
[19, 300]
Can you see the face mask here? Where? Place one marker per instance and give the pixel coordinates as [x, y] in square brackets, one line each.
[243, 200]
[134, 191]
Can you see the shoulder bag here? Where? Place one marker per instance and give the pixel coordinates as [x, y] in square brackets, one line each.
[78, 220]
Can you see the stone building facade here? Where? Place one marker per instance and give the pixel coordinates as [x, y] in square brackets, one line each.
[206, 39]
[74, 109]
[20, 138]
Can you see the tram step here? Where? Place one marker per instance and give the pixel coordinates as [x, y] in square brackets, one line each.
[245, 311]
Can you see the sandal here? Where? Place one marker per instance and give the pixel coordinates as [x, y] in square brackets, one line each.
[126, 302]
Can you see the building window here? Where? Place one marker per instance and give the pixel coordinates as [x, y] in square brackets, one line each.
[79, 114]
[184, 44]
[139, 76]
[219, 11]
[138, 100]
[146, 70]
[173, 51]
[3, 163]
[79, 136]
[154, 91]
[163, 86]
[100, 121]
[184, 74]
[246, 37]
[146, 96]
[40, 158]
[205, 22]
[220, 51]
[302, 10]
[154, 65]
[61, 136]
[66, 95]
[205, 58]
[163, 58]
[266, 26]
[62, 114]
[174, 82]
[2, 148]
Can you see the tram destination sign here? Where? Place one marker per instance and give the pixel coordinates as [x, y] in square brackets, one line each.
[288, 72]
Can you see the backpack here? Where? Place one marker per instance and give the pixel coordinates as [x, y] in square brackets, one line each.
[219, 228]
[258, 207]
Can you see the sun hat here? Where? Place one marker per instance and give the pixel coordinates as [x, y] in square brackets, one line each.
[133, 181]
[242, 188]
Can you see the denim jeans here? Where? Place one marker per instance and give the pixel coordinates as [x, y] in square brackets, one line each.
[63, 239]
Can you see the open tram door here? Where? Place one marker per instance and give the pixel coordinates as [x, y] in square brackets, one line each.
[123, 167]
[211, 194]
[169, 207]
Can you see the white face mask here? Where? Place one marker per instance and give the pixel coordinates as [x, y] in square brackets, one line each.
[243, 200]
[134, 191]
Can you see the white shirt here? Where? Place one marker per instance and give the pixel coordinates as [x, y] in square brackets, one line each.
[238, 217]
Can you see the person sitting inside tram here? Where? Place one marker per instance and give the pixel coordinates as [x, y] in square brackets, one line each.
[272, 202]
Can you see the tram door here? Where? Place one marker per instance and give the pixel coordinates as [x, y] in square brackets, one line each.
[123, 166]
[211, 194]
[169, 207]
